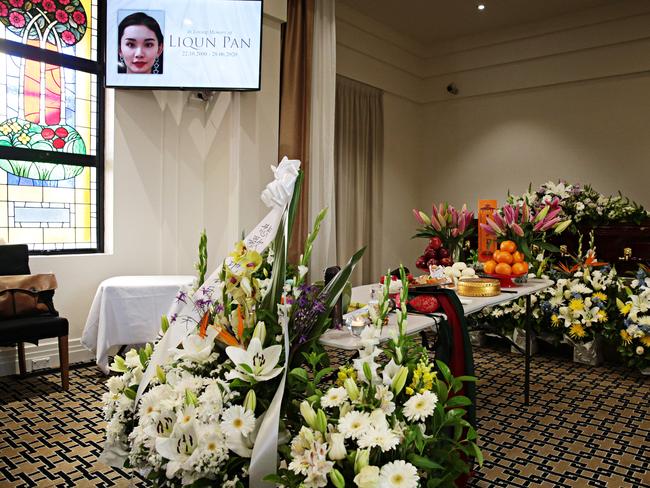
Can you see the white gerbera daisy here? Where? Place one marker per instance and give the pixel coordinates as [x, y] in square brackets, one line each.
[420, 406]
[354, 424]
[334, 397]
[398, 474]
[238, 420]
[379, 436]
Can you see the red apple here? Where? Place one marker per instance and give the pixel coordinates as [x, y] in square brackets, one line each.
[435, 243]
[446, 261]
[433, 262]
[443, 253]
[421, 263]
[430, 254]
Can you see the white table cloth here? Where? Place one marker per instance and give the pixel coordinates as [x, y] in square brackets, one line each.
[127, 310]
[343, 339]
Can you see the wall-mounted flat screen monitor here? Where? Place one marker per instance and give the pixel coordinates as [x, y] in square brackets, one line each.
[183, 44]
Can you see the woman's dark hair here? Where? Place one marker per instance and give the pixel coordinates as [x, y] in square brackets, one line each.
[140, 18]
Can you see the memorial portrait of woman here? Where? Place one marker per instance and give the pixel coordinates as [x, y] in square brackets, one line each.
[140, 45]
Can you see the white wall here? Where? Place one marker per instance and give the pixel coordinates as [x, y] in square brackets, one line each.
[564, 98]
[174, 165]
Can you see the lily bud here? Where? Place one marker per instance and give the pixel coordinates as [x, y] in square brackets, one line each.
[361, 460]
[190, 398]
[337, 478]
[345, 409]
[119, 365]
[308, 414]
[425, 218]
[260, 331]
[351, 388]
[541, 215]
[399, 380]
[416, 214]
[562, 226]
[516, 228]
[250, 402]
[321, 421]
[367, 372]
[164, 323]
[399, 356]
[160, 374]
[337, 447]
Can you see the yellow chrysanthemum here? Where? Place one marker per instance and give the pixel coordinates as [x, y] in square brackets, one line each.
[626, 338]
[577, 331]
[600, 295]
[577, 304]
[15, 127]
[601, 315]
[555, 320]
[645, 340]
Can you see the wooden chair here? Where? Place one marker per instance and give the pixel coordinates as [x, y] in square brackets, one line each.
[14, 260]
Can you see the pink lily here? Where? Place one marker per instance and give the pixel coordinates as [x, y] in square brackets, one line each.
[462, 222]
[550, 223]
[525, 213]
[435, 224]
[416, 214]
[495, 227]
[434, 214]
[509, 214]
[517, 230]
[442, 220]
[538, 226]
[551, 215]
[454, 217]
[487, 228]
[499, 220]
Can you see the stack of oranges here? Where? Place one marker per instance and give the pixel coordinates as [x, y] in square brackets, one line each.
[506, 261]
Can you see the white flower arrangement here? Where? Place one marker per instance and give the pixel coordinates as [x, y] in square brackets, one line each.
[580, 303]
[633, 336]
[191, 411]
[382, 424]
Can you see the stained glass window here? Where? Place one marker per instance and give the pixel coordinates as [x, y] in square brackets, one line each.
[50, 125]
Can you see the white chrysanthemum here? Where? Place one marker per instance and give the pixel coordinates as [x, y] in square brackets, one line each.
[354, 424]
[380, 437]
[398, 474]
[238, 420]
[420, 406]
[334, 397]
[115, 384]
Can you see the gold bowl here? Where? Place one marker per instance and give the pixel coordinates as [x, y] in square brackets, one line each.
[478, 287]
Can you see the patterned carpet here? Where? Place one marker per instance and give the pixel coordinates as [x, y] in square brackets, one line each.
[585, 427]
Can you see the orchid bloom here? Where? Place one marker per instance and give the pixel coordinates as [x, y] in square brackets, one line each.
[255, 363]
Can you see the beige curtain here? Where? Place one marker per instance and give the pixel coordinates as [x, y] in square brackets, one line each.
[295, 101]
[358, 159]
[322, 190]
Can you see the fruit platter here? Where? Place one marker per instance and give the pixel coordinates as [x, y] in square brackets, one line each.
[506, 263]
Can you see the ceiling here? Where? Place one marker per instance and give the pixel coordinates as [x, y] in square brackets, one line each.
[429, 21]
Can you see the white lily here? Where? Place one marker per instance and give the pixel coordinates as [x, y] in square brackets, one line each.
[255, 363]
[389, 372]
[177, 448]
[197, 348]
